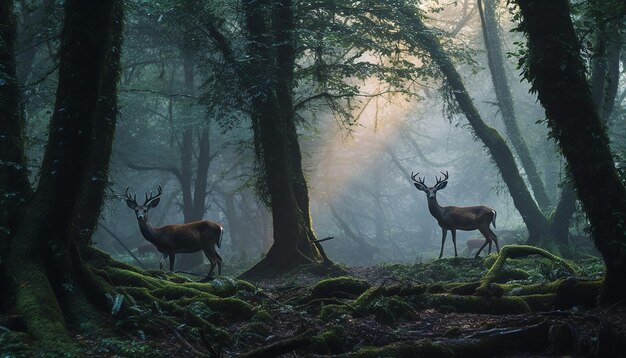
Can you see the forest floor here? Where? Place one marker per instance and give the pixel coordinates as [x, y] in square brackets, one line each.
[391, 310]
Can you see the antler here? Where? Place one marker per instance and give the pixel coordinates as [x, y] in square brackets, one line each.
[418, 180]
[442, 180]
[128, 197]
[153, 197]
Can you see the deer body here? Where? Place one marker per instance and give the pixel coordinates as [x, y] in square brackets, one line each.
[455, 218]
[179, 238]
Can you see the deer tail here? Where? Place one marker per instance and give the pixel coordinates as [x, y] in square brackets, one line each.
[493, 221]
[219, 240]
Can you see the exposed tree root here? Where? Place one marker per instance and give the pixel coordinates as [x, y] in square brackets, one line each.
[487, 288]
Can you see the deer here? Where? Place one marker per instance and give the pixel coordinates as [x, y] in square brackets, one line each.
[455, 218]
[474, 243]
[178, 238]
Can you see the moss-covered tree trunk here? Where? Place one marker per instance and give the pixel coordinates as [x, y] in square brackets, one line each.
[44, 255]
[270, 68]
[14, 185]
[557, 72]
[505, 101]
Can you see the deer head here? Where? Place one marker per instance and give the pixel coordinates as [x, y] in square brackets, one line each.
[431, 192]
[141, 211]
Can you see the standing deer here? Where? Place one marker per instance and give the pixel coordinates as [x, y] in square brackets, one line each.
[178, 238]
[455, 218]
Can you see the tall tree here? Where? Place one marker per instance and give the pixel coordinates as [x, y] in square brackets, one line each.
[14, 185]
[502, 91]
[561, 217]
[44, 256]
[556, 71]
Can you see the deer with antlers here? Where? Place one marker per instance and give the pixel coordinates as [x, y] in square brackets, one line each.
[178, 238]
[455, 218]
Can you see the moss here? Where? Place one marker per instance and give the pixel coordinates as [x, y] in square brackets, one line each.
[224, 287]
[423, 348]
[43, 316]
[516, 251]
[339, 286]
[476, 304]
[533, 289]
[262, 315]
[386, 309]
[436, 288]
[404, 290]
[102, 260]
[510, 274]
[367, 296]
[122, 277]
[175, 292]
[572, 292]
[540, 302]
[468, 288]
[331, 312]
[329, 341]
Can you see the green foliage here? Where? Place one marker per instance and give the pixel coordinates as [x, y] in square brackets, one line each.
[126, 348]
[339, 286]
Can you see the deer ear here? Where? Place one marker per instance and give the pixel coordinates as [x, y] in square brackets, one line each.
[442, 185]
[155, 202]
[130, 204]
[419, 186]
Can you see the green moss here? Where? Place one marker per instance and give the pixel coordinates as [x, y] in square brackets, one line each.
[476, 304]
[262, 315]
[122, 277]
[423, 348]
[224, 287]
[533, 289]
[512, 252]
[468, 288]
[386, 309]
[540, 302]
[436, 288]
[572, 292]
[36, 302]
[329, 341]
[175, 292]
[341, 286]
[329, 313]
[509, 274]
[404, 290]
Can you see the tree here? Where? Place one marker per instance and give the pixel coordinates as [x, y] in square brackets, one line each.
[559, 221]
[57, 221]
[289, 63]
[554, 67]
[14, 185]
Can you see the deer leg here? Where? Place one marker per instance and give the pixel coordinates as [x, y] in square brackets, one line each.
[454, 241]
[444, 232]
[219, 263]
[495, 239]
[209, 255]
[487, 241]
[161, 262]
[172, 259]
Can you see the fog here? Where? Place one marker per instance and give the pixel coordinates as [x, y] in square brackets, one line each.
[358, 174]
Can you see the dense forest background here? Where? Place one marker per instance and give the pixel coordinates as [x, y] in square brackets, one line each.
[288, 122]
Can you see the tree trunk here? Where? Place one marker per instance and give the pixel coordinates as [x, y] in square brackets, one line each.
[44, 256]
[276, 140]
[557, 73]
[505, 101]
[14, 185]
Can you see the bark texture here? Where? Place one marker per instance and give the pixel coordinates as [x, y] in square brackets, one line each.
[557, 73]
